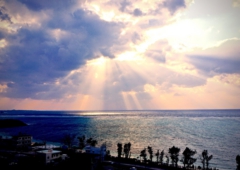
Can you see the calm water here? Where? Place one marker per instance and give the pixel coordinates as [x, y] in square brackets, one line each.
[217, 131]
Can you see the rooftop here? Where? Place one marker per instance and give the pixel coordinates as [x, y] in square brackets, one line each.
[49, 151]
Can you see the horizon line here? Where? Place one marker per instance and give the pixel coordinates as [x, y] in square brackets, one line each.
[120, 110]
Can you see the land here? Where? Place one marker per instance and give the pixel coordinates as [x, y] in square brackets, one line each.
[19, 152]
[7, 123]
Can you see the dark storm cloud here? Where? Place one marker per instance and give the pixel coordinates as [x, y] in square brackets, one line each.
[3, 15]
[37, 5]
[34, 59]
[212, 65]
[123, 5]
[137, 12]
[174, 5]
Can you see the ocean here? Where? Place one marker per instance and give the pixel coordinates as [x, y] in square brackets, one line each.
[217, 131]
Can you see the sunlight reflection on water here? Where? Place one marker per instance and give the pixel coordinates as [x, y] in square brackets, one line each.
[218, 132]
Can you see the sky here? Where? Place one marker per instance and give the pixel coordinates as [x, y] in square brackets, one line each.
[119, 54]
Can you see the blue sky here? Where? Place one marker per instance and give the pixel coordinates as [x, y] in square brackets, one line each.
[125, 54]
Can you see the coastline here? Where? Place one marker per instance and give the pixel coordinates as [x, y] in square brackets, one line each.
[9, 123]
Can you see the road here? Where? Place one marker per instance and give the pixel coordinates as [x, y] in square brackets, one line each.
[117, 165]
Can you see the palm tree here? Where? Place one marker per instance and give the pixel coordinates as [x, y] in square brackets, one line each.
[81, 142]
[150, 151]
[144, 155]
[157, 155]
[208, 159]
[161, 156]
[68, 139]
[167, 159]
[174, 153]
[205, 158]
[187, 157]
[91, 142]
[108, 154]
[119, 145]
[126, 150]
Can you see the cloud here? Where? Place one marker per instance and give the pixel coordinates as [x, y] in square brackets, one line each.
[173, 5]
[3, 15]
[210, 65]
[36, 57]
[36, 5]
[119, 54]
[137, 12]
[157, 55]
[123, 5]
[158, 51]
[224, 58]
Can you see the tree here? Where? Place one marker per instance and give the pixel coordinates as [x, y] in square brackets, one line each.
[68, 139]
[157, 155]
[91, 142]
[238, 162]
[174, 153]
[161, 157]
[108, 154]
[167, 159]
[119, 149]
[126, 150]
[150, 151]
[144, 154]
[205, 158]
[187, 157]
[81, 142]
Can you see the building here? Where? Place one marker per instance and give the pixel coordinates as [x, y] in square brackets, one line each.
[100, 152]
[22, 141]
[49, 155]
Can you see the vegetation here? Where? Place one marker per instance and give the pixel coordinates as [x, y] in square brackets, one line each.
[161, 157]
[82, 142]
[119, 145]
[238, 162]
[157, 155]
[150, 151]
[187, 160]
[174, 153]
[127, 149]
[187, 157]
[91, 142]
[205, 159]
[167, 159]
[144, 155]
[68, 139]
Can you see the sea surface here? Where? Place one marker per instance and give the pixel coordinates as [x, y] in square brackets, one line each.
[217, 131]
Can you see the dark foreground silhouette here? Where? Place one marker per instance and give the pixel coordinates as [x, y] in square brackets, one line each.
[76, 157]
[7, 123]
